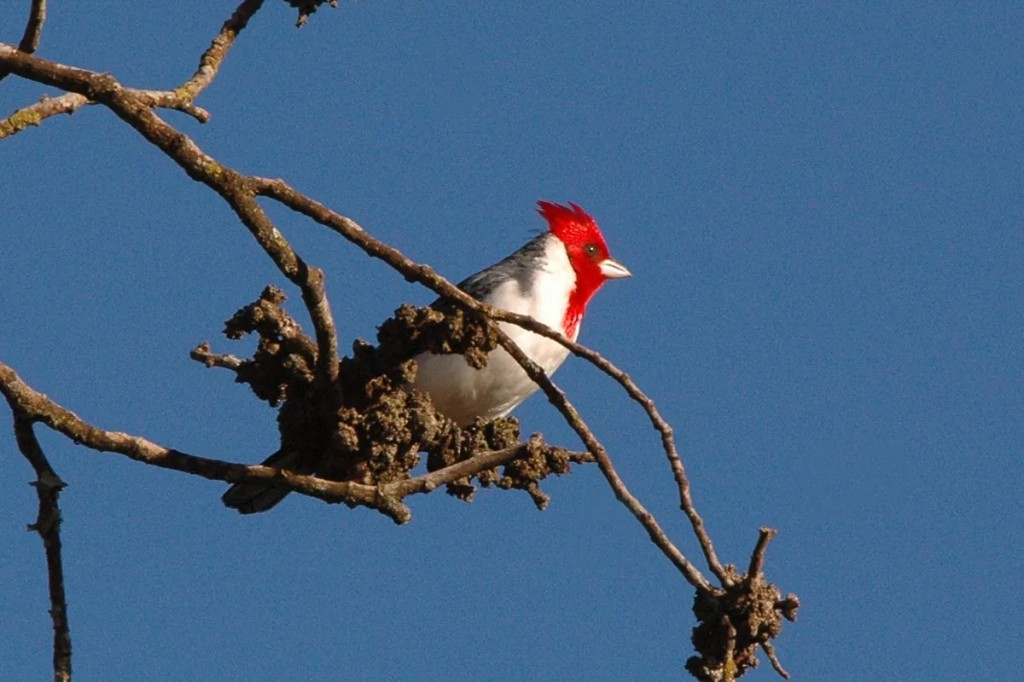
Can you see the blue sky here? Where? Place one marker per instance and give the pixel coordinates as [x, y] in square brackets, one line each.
[821, 206]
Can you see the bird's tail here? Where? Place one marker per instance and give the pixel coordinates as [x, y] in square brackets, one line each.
[259, 496]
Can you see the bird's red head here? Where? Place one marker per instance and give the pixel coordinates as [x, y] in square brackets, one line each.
[587, 252]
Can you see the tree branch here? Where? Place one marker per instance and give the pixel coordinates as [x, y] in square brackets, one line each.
[33, 31]
[31, 405]
[211, 59]
[180, 99]
[769, 651]
[280, 190]
[765, 536]
[203, 354]
[241, 192]
[48, 486]
[237, 189]
[34, 114]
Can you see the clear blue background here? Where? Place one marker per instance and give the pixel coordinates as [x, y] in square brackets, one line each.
[821, 205]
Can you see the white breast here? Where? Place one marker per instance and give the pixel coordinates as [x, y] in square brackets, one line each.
[463, 393]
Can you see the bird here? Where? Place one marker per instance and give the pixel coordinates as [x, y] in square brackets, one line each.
[551, 278]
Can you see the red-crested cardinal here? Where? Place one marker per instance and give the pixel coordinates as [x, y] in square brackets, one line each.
[551, 279]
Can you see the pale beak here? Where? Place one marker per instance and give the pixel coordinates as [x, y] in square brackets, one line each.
[613, 269]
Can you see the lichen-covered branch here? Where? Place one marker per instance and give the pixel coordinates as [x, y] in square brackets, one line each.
[213, 57]
[181, 98]
[34, 114]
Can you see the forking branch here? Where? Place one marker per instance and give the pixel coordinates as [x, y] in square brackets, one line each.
[725, 611]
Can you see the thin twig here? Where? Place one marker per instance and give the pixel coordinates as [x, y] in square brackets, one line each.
[48, 486]
[211, 59]
[161, 99]
[467, 467]
[33, 31]
[765, 536]
[34, 114]
[581, 457]
[769, 651]
[33, 27]
[203, 354]
[667, 441]
[69, 103]
[182, 97]
[558, 398]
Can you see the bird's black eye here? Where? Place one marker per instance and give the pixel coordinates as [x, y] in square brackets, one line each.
[590, 250]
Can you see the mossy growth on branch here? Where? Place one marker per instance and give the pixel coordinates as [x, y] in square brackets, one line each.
[369, 426]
